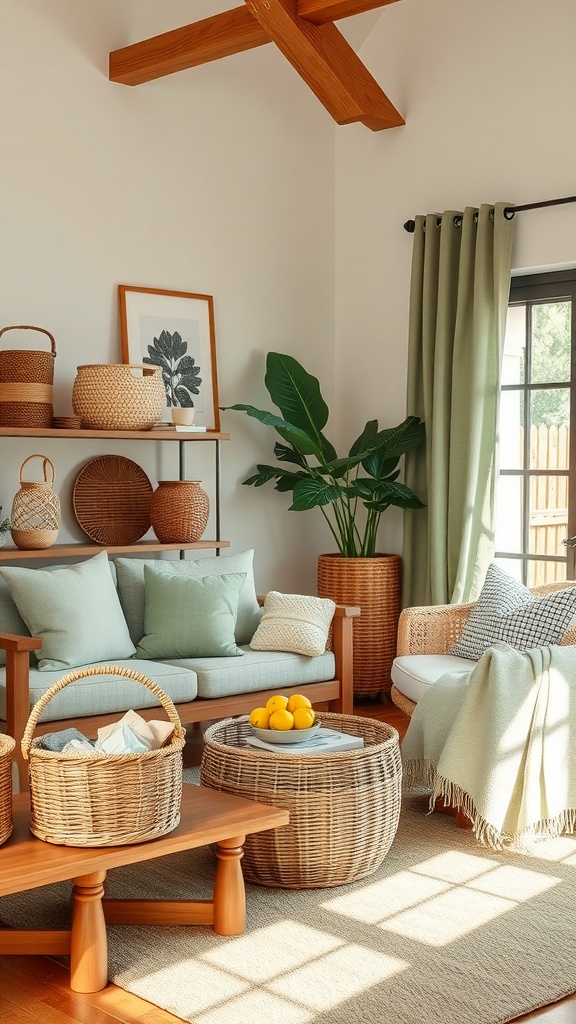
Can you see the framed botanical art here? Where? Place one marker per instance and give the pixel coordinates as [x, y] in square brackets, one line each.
[175, 331]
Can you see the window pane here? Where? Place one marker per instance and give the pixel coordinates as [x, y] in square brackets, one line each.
[550, 418]
[540, 573]
[508, 529]
[511, 433]
[551, 329]
[548, 517]
[513, 566]
[514, 346]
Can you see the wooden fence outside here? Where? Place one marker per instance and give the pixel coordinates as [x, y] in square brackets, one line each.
[548, 526]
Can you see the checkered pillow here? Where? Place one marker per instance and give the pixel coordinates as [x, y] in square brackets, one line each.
[507, 611]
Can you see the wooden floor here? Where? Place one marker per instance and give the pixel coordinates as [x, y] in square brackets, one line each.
[34, 990]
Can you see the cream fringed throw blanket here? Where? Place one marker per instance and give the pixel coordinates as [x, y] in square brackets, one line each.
[500, 743]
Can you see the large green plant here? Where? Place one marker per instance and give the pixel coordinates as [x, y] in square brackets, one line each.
[366, 476]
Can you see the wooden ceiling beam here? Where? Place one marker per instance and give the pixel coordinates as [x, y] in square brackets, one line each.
[303, 31]
[322, 11]
[329, 66]
[186, 47]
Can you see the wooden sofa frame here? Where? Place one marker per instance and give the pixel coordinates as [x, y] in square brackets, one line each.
[336, 693]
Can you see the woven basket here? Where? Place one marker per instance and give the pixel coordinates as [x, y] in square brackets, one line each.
[120, 396]
[179, 511]
[26, 380]
[35, 512]
[344, 807]
[7, 745]
[374, 585]
[108, 799]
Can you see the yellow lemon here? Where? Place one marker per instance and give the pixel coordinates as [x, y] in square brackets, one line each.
[304, 718]
[281, 720]
[259, 717]
[277, 703]
[298, 700]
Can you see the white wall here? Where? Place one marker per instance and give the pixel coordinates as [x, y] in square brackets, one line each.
[488, 91]
[217, 180]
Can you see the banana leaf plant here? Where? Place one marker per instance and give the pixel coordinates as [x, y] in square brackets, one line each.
[366, 477]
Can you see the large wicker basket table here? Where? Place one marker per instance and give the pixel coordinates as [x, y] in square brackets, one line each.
[344, 807]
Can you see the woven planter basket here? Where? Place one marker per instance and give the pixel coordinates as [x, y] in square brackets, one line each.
[344, 807]
[26, 384]
[7, 745]
[179, 511]
[374, 585]
[35, 515]
[120, 396]
[107, 799]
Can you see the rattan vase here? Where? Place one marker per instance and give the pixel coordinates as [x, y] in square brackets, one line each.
[26, 383]
[35, 512]
[179, 511]
[374, 585]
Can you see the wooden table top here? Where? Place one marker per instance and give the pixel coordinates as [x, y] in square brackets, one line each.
[206, 816]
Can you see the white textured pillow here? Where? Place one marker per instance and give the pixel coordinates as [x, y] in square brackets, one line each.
[295, 623]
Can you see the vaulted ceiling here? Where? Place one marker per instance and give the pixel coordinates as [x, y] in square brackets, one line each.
[303, 30]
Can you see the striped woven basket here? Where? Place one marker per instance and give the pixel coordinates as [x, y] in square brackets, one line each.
[26, 383]
[7, 745]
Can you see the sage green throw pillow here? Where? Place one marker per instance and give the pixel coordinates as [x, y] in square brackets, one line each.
[186, 617]
[75, 610]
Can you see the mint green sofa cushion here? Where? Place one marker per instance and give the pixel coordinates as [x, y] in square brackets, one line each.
[186, 617]
[102, 695]
[257, 670]
[130, 573]
[75, 610]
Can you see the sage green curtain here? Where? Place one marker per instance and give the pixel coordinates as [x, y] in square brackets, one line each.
[459, 291]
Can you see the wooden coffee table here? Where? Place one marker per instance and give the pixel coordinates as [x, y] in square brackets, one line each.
[206, 817]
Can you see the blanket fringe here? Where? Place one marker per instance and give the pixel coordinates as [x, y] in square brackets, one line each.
[422, 773]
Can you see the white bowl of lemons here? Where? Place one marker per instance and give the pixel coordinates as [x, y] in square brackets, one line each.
[285, 719]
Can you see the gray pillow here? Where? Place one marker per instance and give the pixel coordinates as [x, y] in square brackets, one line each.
[507, 612]
[187, 617]
[74, 609]
[130, 573]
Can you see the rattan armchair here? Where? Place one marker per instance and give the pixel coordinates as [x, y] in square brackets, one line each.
[435, 629]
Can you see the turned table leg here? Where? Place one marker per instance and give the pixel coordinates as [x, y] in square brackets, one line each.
[229, 891]
[89, 947]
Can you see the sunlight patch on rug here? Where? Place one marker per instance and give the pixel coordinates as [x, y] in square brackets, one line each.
[338, 977]
[375, 902]
[266, 953]
[448, 917]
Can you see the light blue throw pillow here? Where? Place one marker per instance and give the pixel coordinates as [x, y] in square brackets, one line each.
[186, 617]
[75, 610]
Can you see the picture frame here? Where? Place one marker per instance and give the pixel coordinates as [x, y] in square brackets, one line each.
[166, 328]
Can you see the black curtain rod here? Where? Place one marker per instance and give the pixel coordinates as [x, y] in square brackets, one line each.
[509, 211]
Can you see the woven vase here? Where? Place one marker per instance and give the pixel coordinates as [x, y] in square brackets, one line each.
[26, 383]
[7, 745]
[179, 511]
[35, 512]
[373, 584]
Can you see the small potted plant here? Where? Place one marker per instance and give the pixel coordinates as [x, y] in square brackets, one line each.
[5, 526]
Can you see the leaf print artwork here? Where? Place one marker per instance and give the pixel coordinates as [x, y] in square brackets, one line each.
[180, 372]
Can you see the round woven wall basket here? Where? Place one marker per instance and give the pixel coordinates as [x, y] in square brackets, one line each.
[7, 745]
[80, 799]
[373, 584]
[120, 396]
[344, 807]
[179, 511]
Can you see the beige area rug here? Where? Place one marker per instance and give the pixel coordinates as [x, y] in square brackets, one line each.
[444, 931]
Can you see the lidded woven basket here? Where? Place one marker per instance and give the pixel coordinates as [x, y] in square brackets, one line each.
[179, 510]
[35, 512]
[7, 745]
[80, 799]
[121, 396]
[26, 383]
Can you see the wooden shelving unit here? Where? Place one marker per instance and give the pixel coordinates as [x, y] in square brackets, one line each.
[11, 553]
